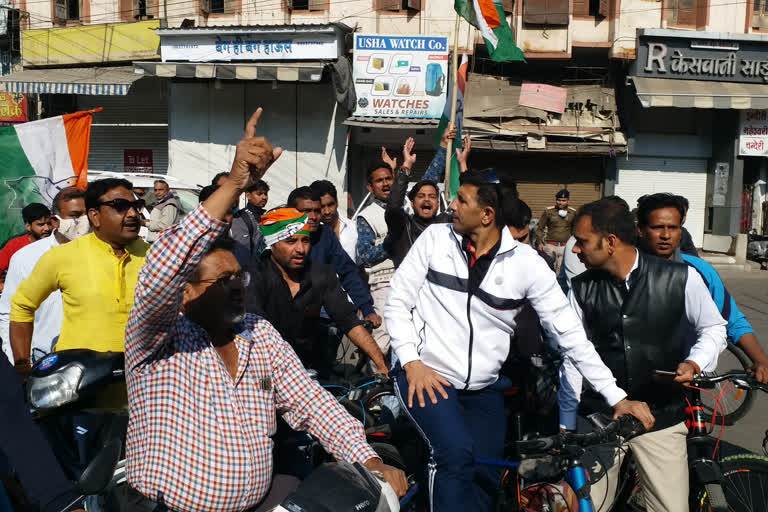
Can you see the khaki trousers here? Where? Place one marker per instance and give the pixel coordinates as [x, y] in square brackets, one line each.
[662, 462]
[380, 294]
[557, 252]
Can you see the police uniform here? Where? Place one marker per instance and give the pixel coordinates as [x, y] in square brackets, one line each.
[554, 231]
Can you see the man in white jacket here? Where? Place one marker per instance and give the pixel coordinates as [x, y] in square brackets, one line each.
[450, 314]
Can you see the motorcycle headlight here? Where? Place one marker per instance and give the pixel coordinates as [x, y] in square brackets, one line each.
[56, 389]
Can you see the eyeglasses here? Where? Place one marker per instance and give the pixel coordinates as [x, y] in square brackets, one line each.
[123, 205]
[242, 278]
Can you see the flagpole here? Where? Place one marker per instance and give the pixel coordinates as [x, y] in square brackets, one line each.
[454, 99]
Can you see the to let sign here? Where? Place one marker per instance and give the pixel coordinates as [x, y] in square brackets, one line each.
[753, 133]
[13, 107]
[137, 160]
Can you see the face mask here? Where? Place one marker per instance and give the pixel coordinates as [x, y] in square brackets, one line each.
[74, 228]
[562, 213]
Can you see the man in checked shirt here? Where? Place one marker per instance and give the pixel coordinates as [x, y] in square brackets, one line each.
[205, 379]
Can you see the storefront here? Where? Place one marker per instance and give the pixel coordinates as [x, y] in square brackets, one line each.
[135, 110]
[217, 76]
[686, 120]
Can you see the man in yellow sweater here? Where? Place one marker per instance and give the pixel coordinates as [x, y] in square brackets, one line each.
[96, 274]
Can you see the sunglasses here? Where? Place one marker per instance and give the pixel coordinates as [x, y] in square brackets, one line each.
[227, 280]
[123, 205]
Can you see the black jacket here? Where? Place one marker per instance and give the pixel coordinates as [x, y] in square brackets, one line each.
[404, 229]
[298, 318]
[639, 331]
[686, 244]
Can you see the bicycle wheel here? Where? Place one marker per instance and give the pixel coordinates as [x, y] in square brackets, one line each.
[737, 402]
[745, 482]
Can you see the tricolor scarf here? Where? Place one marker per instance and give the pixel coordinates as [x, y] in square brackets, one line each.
[282, 223]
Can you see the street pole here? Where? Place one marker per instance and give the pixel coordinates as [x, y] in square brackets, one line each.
[454, 99]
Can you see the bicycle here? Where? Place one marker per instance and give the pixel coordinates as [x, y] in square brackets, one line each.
[737, 403]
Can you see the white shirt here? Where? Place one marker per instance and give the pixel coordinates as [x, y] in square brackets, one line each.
[348, 237]
[701, 312]
[48, 317]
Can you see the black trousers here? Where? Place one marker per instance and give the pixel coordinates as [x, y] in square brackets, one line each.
[132, 500]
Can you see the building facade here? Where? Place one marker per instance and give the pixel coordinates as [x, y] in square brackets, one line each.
[607, 129]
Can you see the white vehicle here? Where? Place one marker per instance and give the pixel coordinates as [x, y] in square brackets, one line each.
[143, 185]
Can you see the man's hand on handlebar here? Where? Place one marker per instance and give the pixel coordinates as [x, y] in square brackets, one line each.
[374, 319]
[686, 371]
[760, 369]
[637, 409]
[393, 476]
[422, 378]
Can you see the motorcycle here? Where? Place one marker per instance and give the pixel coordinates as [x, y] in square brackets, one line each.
[79, 400]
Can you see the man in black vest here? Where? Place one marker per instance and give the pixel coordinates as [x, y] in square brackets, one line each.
[636, 310]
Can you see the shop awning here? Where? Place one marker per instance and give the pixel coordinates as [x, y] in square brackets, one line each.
[113, 81]
[280, 71]
[666, 92]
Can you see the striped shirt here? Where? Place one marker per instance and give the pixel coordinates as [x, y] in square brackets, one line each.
[197, 439]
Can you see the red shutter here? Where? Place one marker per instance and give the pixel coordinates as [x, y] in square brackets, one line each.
[386, 5]
[414, 4]
[580, 8]
[605, 8]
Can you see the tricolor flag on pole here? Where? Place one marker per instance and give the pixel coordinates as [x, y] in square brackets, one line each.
[488, 17]
[39, 158]
[445, 120]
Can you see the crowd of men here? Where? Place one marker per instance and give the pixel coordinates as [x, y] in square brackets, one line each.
[220, 311]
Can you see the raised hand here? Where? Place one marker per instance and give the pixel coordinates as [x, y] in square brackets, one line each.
[253, 155]
[391, 162]
[462, 155]
[409, 158]
[448, 134]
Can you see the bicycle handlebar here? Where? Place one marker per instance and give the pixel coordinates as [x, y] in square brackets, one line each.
[625, 427]
[740, 379]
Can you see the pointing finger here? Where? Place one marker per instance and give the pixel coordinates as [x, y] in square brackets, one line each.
[250, 128]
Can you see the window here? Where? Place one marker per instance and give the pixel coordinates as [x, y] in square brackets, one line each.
[684, 12]
[760, 14]
[218, 6]
[67, 10]
[593, 8]
[397, 5]
[143, 9]
[306, 5]
[546, 12]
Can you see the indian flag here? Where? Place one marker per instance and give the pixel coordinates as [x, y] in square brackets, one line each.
[37, 159]
[488, 17]
[445, 120]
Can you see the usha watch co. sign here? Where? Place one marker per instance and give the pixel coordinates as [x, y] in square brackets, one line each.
[702, 59]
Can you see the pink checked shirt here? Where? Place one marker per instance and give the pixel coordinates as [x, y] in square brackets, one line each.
[197, 439]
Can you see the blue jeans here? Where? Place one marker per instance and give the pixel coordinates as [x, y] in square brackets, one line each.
[467, 426]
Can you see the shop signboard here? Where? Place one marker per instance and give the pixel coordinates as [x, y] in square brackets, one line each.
[400, 76]
[699, 58]
[753, 133]
[249, 46]
[137, 160]
[13, 107]
[91, 44]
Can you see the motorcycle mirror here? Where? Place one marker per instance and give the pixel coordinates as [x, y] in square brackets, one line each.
[99, 472]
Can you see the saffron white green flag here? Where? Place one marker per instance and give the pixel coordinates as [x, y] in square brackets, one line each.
[37, 159]
[489, 18]
[445, 120]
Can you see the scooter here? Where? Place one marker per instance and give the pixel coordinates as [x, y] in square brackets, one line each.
[341, 487]
[79, 399]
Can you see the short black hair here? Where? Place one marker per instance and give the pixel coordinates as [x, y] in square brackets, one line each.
[516, 212]
[488, 194]
[258, 185]
[418, 186]
[381, 164]
[206, 192]
[301, 193]
[34, 211]
[163, 182]
[219, 175]
[222, 243]
[653, 202]
[96, 189]
[684, 203]
[323, 187]
[610, 216]
[66, 194]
